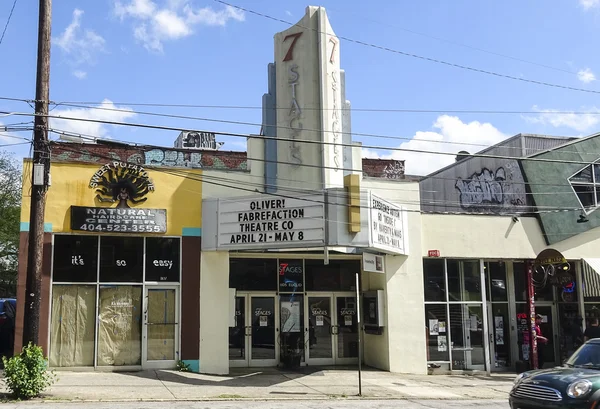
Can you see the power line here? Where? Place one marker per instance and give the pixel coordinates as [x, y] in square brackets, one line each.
[305, 141]
[238, 186]
[370, 135]
[363, 18]
[8, 20]
[302, 165]
[412, 55]
[14, 144]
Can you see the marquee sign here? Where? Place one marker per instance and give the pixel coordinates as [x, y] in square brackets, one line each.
[387, 226]
[267, 222]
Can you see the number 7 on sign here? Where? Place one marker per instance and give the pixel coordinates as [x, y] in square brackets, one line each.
[289, 55]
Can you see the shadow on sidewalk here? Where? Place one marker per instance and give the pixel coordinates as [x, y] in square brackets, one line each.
[245, 377]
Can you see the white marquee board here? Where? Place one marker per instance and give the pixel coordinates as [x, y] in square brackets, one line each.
[387, 226]
[263, 222]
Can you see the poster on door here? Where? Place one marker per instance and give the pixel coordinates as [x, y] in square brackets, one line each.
[290, 316]
[499, 330]
[442, 343]
[434, 328]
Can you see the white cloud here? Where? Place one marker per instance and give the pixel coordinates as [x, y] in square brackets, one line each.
[451, 135]
[80, 74]
[92, 129]
[81, 45]
[154, 24]
[586, 76]
[289, 13]
[589, 4]
[580, 122]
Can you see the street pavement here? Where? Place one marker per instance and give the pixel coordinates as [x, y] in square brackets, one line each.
[345, 404]
[272, 384]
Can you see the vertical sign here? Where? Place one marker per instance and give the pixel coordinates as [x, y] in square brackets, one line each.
[297, 94]
[531, 309]
[331, 103]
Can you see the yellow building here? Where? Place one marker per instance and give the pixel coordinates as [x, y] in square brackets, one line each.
[121, 267]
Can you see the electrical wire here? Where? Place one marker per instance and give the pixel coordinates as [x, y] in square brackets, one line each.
[8, 21]
[412, 55]
[302, 165]
[376, 136]
[304, 141]
[254, 189]
[380, 23]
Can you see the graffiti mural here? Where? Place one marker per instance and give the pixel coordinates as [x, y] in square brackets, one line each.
[394, 170]
[152, 157]
[493, 189]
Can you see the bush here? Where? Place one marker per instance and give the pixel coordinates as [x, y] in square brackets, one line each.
[26, 375]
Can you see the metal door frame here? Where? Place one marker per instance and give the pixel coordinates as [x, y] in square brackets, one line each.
[335, 359]
[162, 364]
[248, 362]
[319, 361]
[555, 327]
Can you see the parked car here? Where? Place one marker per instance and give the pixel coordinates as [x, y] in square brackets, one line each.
[8, 307]
[574, 385]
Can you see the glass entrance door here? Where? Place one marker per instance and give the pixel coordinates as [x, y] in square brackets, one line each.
[332, 329]
[548, 328]
[252, 339]
[499, 339]
[161, 327]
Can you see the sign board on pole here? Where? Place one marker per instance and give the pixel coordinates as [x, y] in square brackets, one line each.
[387, 226]
[373, 263]
[271, 222]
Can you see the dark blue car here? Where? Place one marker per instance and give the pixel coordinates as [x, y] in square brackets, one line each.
[8, 308]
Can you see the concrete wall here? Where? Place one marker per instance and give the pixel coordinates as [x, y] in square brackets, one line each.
[402, 347]
[214, 313]
[498, 237]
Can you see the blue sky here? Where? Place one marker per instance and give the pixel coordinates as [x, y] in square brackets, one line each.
[203, 53]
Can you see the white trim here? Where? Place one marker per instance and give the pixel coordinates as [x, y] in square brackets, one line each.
[297, 256]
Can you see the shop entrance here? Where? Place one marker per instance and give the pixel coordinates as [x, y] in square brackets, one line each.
[252, 340]
[549, 330]
[160, 332]
[331, 326]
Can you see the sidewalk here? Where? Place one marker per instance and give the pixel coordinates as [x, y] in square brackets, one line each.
[272, 383]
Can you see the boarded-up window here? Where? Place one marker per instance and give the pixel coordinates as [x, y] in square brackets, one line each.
[120, 326]
[72, 336]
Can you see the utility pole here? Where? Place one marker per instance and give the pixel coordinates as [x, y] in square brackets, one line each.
[39, 178]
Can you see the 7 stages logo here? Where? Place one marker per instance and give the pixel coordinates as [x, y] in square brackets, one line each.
[286, 268]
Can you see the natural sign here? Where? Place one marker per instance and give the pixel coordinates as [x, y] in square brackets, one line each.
[109, 220]
[264, 222]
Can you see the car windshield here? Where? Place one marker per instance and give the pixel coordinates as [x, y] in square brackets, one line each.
[587, 356]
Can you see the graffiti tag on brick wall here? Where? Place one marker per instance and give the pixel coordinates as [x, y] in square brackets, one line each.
[394, 170]
[500, 188]
[162, 157]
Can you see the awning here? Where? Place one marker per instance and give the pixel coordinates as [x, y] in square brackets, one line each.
[591, 277]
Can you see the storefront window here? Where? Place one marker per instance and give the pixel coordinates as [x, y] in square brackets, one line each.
[495, 275]
[120, 326]
[338, 275]
[121, 259]
[436, 333]
[545, 293]
[72, 325]
[434, 280]
[75, 259]
[162, 259]
[253, 274]
[291, 341]
[464, 280]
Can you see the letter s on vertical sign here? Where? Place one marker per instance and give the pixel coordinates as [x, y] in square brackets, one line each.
[289, 55]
